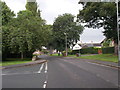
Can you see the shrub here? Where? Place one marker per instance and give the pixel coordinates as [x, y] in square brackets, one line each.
[108, 50]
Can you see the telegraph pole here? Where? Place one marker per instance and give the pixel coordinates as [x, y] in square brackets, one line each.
[118, 29]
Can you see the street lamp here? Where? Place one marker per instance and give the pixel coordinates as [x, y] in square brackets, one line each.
[66, 44]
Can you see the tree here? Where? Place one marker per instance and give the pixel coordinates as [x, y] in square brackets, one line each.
[33, 7]
[7, 16]
[28, 35]
[96, 15]
[25, 33]
[65, 24]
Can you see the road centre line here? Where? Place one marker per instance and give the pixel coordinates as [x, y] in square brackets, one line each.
[45, 84]
[41, 68]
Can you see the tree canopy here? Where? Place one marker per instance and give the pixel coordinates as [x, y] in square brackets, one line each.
[65, 24]
[99, 14]
[24, 33]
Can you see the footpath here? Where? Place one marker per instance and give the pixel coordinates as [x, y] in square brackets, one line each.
[23, 64]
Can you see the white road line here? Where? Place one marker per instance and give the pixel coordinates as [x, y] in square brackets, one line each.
[41, 68]
[46, 68]
[19, 73]
[3, 74]
[101, 65]
[45, 84]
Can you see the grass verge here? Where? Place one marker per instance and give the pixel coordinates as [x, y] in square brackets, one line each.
[13, 61]
[102, 57]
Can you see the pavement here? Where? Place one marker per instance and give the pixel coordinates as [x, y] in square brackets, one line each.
[61, 72]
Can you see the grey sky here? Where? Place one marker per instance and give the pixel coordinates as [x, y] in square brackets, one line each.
[50, 9]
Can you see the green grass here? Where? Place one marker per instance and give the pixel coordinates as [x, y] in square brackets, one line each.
[55, 55]
[102, 57]
[13, 61]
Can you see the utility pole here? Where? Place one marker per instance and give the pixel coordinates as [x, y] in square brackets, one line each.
[118, 30]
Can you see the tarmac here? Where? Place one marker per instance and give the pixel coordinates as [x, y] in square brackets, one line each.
[106, 63]
[111, 64]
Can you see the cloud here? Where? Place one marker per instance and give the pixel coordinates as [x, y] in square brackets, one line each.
[94, 35]
[16, 5]
[50, 9]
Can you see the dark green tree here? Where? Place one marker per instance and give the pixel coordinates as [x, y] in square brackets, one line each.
[65, 24]
[6, 16]
[97, 14]
[33, 7]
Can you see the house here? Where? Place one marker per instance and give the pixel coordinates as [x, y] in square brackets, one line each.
[86, 45]
[107, 43]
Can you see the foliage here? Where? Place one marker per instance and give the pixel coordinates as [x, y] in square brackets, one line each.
[89, 50]
[7, 14]
[108, 50]
[25, 33]
[6, 17]
[98, 15]
[64, 24]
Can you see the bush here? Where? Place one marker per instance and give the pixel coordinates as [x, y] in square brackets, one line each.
[108, 50]
[90, 50]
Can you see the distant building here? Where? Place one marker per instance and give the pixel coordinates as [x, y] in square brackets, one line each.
[92, 44]
[107, 43]
[86, 45]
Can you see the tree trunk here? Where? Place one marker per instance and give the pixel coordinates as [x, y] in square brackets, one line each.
[51, 50]
[22, 56]
[116, 49]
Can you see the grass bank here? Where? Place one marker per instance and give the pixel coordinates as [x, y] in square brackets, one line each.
[102, 57]
[13, 61]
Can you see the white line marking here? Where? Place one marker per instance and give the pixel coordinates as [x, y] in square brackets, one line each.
[41, 68]
[3, 74]
[45, 84]
[97, 64]
[20, 73]
[46, 68]
[100, 65]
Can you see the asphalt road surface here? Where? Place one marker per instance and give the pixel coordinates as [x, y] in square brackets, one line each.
[61, 72]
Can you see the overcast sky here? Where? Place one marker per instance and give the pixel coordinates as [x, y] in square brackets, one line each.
[50, 9]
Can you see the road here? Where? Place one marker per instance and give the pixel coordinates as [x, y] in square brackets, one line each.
[61, 72]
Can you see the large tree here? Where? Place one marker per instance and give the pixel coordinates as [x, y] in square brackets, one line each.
[97, 14]
[6, 16]
[65, 24]
[24, 33]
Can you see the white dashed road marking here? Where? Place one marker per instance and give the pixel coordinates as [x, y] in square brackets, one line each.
[45, 84]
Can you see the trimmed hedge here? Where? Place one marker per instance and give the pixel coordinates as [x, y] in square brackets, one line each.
[92, 50]
[108, 50]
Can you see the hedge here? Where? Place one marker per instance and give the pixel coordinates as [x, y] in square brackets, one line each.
[108, 50]
[92, 50]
